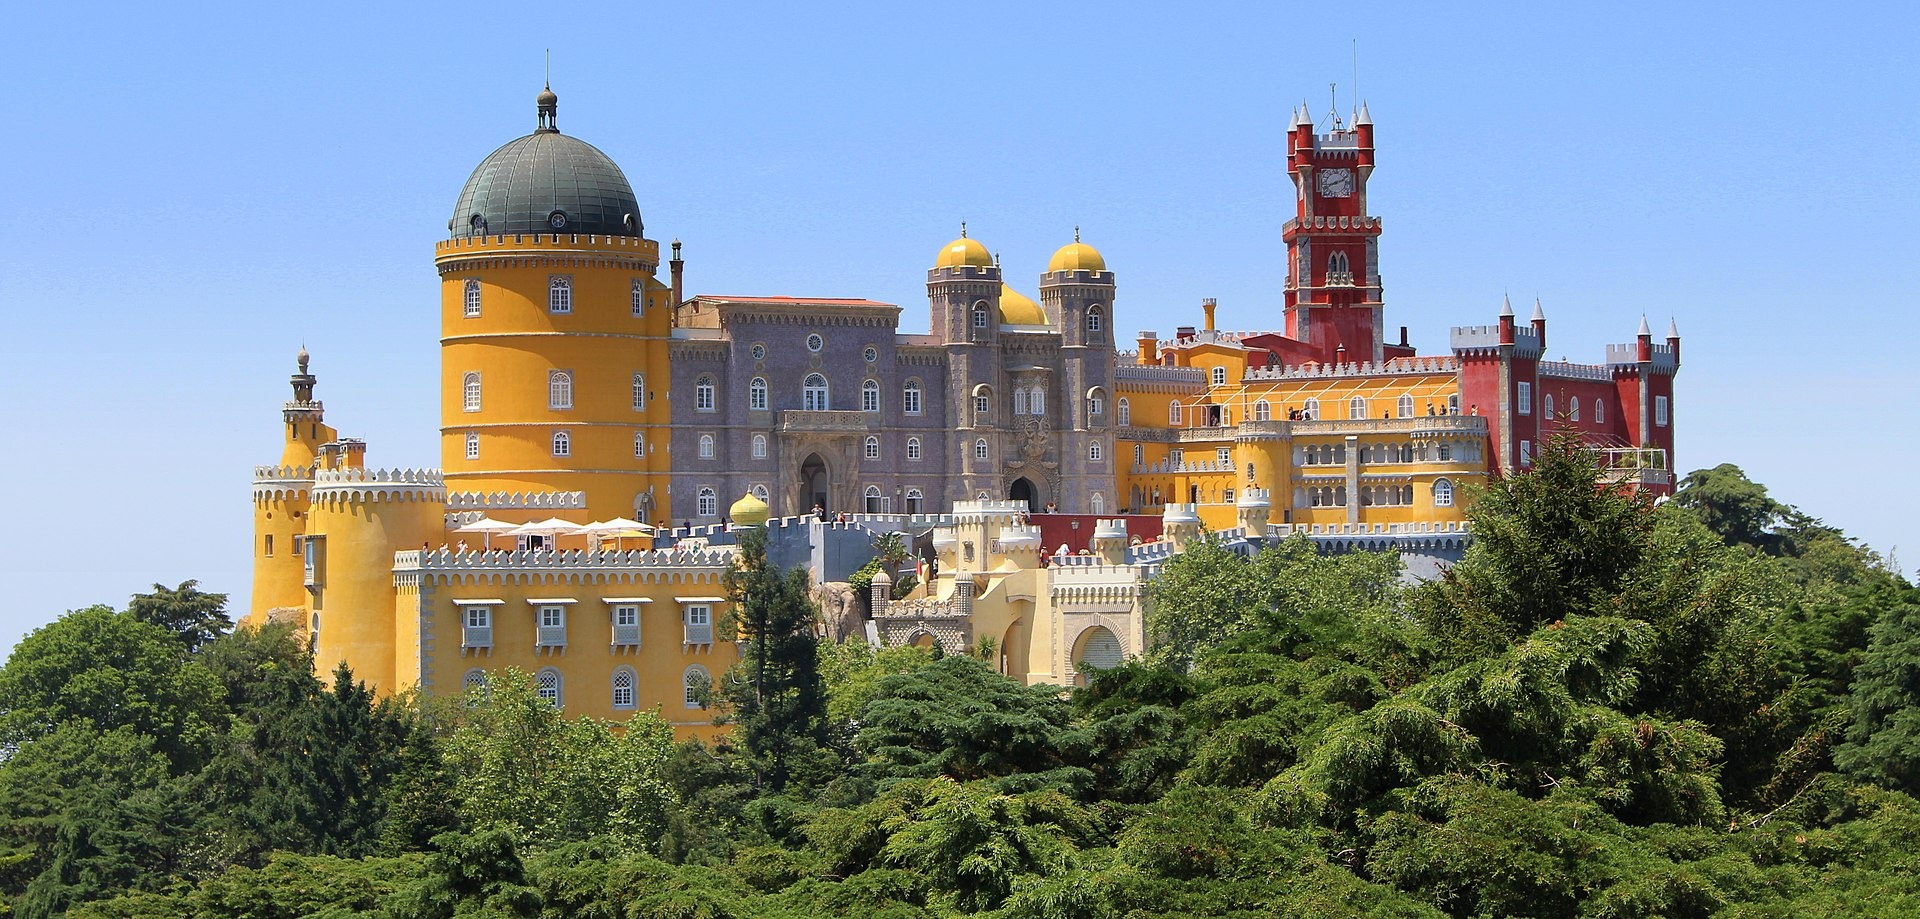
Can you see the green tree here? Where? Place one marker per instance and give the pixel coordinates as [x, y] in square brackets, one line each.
[1883, 735]
[195, 616]
[775, 694]
[958, 718]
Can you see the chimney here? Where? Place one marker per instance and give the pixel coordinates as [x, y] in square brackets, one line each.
[1207, 306]
[677, 265]
[1149, 347]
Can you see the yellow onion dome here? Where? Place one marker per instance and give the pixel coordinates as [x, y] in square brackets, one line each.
[1077, 256]
[963, 253]
[749, 511]
[1017, 308]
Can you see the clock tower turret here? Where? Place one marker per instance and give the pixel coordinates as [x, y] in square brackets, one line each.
[1333, 294]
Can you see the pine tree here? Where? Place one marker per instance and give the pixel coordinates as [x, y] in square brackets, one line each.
[775, 694]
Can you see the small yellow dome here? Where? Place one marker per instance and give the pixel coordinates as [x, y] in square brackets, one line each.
[749, 511]
[964, 252]
[1077, 256]
[1017, 308]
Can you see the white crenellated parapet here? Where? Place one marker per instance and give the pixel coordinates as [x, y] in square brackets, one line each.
[1016, 538]
[501, 500]
[1395, 366]
[1255, 506]
[360, 484]
[1181, 524]
[276, 483]
[988, 511]
[649, 566]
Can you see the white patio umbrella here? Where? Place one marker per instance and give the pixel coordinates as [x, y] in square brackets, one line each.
[488, 526]
[619, 528]
[552, 526]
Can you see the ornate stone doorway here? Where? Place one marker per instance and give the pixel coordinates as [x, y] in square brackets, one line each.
[1023, 491]
[814, 485]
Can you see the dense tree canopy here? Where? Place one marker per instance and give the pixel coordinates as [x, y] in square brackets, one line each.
[1607, 709]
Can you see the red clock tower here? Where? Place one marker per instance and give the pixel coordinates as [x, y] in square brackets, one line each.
[1333, 246]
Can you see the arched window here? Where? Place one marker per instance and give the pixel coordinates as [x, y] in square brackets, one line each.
[639, 392]
[1547, 404]
[707, 504]
[1093, 318]
[562, 444]
[546, 685]
[759, 446]
[980, 449]
[475, 682]
[1097, 503]
[638, 294]
[915, 501]
[706, 446]
[1339, 496]
[913, 448]
[1310, 411]
[872, 500]
[1019, 401]
[1125, 410]
[559, 389]
[1219, 376]
[1599, 412]
[1337, 263]
[871, 449]
[559, 294]
[473, 297]
[1573, 408]
[813, 393]
[910, 398]
[1096, 402]
[623, 680]
[1093, 451]
[703, 395]
[1139, 455]
[760, 491]
[1406, 406]
[1262, 410]
[470, 386]
[982, 404]
[639, 443]
[979, 315]
[695, 682]
[473, 445]
[1357, 407]
[1453, 404]
[870, 396]
[1037, 401]
[757, 394]
[1173, 412]
[1442, 493]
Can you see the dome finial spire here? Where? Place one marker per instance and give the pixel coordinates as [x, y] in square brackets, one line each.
[963, 229]
[1076, 232]
[548, 103]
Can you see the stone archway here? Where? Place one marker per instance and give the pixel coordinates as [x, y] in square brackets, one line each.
[815, 485]
[1024, 491]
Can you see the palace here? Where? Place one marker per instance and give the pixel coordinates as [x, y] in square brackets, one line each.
[578, 387]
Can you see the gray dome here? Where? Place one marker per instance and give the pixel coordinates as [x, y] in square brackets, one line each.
[546, 182]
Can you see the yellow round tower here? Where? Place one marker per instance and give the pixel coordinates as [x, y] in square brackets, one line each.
[554, 329]
[281, 496]
[360, 517]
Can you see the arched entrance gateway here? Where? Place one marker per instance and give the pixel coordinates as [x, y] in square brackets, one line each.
[1023, 491]
[813, 484]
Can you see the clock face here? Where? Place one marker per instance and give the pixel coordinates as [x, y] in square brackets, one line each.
[557, 220]
[1336, 183]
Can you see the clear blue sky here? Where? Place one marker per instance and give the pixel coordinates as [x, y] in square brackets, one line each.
[191, 194]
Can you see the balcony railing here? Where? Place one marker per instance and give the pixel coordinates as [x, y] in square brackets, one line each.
[828, 422]
[552, 636]
[476, 636]
[698, 633]
[626, 635]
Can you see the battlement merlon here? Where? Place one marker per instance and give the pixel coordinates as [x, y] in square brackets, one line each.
[704, 564]
[355, 483]
[1485, 340]
[1665, 360]
[457, 254]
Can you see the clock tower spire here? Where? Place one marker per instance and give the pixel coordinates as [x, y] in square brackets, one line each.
[1333, 293]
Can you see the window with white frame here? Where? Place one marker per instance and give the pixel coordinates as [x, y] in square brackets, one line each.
[1523, 398]
[472, 295]
[639, 295]
[560, 293]
[703, 400]
[477, 631]
[915, 501]
[553, 625]
[1093, 318]
[706, 503]
[1219, 376]
[1097, 503]
[639, 444]
[910, 398]
[1599, 412]
[1660, 411]
[562, 444]
[815, 343]
[559, 390]
[626, 624]
[979, 315]
[546, 685]
[696, 682]
[759, 446]
[473, 445]
[1019, 401]
[475, 682]
[1096, 402]
[1224, 456]
[1573, 407]
[871, 449]
[1094, 453]
[870, 354]
[813, 393]
[1445, 452]
[639, 392]
[982, 404]
[980, 449]
[1357, 407]
[1548, 400]
[1037, 401]
[1442, 493]
[913, 448]
[706, 446]
[1125, 412]
[698, 621]
[470, 387]
[623, 680]
[870, 396]
[1176, 459]
[760, 491]
[874, 503]
[757, 394]
[1310, 410]
[1526, 453]
[1453, 404]
[1404, 407]
[1262, 410]
[1139, 454]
